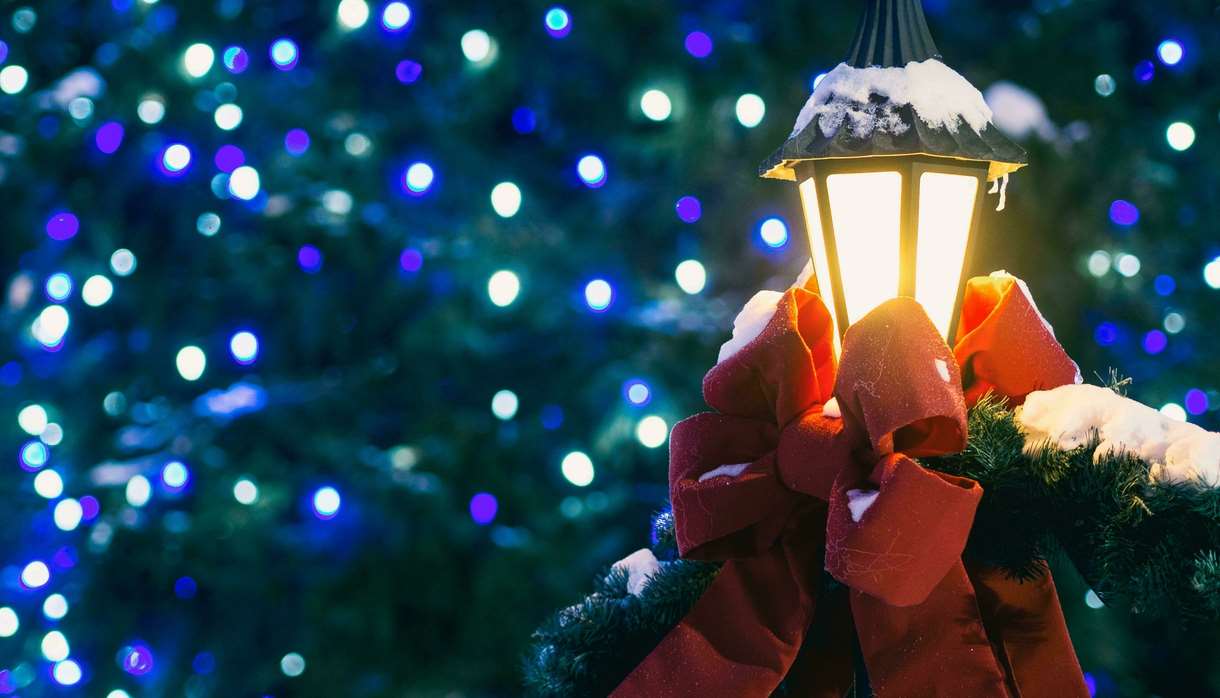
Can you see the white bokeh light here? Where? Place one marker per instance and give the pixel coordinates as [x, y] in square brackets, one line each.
[656, 105]
[477, 46]
[750, 110]
[138, 491]
[652, 431]
[504, 405]
[51, 325]
[48, 484]
[96, 290]
[1174, 411]
[1180, 135]
[227, 117]
[245, 492]
[577, 468]
[13, 79]
[55, 646]
[55, 607]
[32, 419]
[10, 623]
[506, 199]
[691, 276]
[35, 575]
[503, 288]
[151, 110]
[68, 514]
[244, 183]
[191, 362]
[198, 60]
[352, 14]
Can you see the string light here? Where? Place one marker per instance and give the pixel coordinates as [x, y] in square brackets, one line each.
[1127, 264]
[774, 232]
[395, 16]
[503, 288]
[68, 514]
[477, 46]
[504, 405]
[1099, 263]
[284, 53]
[191, 362]
[557, 22]
[245, 491]
[97, 290]
[592, 171]
[243, 346]
[32, 419]
[652, 431]
[352, 14]
[138, 491]
[48, 484]
[691, 276]
[326, 503]
[1180, 135]
[34, 455]
[55, 646]
[599, 294]
[417, 178]
[656, 105]
[59, 286]
[10, 623]
[292, 664]
[750, 110]
[577, 468]
[506, 199]
[35, 575]
[197, 60]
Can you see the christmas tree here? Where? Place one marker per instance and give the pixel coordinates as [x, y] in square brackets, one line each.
[343, 339]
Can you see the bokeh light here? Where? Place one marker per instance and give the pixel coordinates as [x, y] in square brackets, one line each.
[138, 491]
[773, 232]
[51, 325]
[750, 110]
[577, 468]
[1211, 273]
[504, 405]
[292, 664]
[175, 475]
[48, 484]
[236, 59]
[691, 276]
[558, 22]
[97, 290]
[243, 346]
[599, 295]
[108, 137]
[55, 607]
[123, 262]
[656, 105]
[284, 53]
[408, 71]
[244, 183]
[417, 178]
[483, 508]
[34, 455]
[1104, 85]
[326, 503]
[637, 392]
[13, 79]
[503, 288]
[191, 362]
[245, 491]
[309, 259]
[1124, 213]
[506, 199]
[395, 16]
[58, 287]
[35, 575]
[55, 646]
[10, 623]
[698, 44]
[62, 225]
[1180, 136]
[175, 159]
[296, 141]
[652, 431]
[136, 660]
[689, 209]
[68, 514]
[32, 419]
[227, 117]
[592, 171]
[477, 46]
[1155, 342]
[352, 14]
[66, 673]
[197, 60]
[1144, 71]
[1197, 402]
[1170, 52]
[1174, 411]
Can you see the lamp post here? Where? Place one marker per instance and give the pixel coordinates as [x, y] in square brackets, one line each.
[891, 156]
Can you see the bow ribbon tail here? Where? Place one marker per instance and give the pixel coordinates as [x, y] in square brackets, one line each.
[742, 636]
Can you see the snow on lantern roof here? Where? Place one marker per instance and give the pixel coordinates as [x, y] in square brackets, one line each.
[894, 97]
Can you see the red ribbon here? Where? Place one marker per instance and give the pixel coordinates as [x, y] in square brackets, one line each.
[927, 623]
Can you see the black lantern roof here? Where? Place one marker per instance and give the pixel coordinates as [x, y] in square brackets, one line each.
[893, 33]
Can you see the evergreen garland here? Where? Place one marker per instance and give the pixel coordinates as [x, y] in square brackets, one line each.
[1150, 547]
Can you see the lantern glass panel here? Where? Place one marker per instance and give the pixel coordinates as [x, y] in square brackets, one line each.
[946, 211]
[866, 211]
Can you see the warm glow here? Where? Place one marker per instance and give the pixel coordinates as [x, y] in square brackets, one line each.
[817, 245]
[866, 210]
[946, 208]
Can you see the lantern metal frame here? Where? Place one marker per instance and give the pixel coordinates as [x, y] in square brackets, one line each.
[911, 168]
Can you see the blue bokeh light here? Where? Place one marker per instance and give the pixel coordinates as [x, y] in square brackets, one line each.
[1124, 213]
[1164, 285]
[1155, 342]
[558, 22]
[483, 508]
[699, 44]
[326, 503]
[637, 392]
[524, 120]
[236, 59]
[1106, 334]
[1170, 52]
[773, 232]
[284, 53]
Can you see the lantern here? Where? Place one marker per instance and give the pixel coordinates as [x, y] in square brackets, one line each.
[891, 156]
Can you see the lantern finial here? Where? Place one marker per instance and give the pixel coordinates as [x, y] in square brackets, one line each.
[892, 33]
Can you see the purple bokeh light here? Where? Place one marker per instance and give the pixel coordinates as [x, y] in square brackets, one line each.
[1196, 401]
[1155, 342]
[229, 158]
[62, 225]
[236, 59]
[408, 72]
[296, 141]
[1144, 71]
[136, 660]
[109, 137]
[1124, 213]
[411, 260]
[524, 120]
[89, 507]
[483, 508]
[689, 209]
[310, 259]
[1106, 334]
[185, 588]
[699, 44]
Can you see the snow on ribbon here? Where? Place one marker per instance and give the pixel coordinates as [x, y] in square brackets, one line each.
[1073, 415]
[755, 315]
[939, 95]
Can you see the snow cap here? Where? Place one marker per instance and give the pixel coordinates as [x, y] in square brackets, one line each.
[891, 97]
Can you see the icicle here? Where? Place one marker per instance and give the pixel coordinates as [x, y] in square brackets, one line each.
[1000, 186]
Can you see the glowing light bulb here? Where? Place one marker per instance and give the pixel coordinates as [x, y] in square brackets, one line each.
[352, 14]
[506, 199]
[504, 405]
[477, 46]
[191, 362]
[577, 468]
[656, 105]
[503, 288]
[97, 290]
[691, 276]
[326, 503]
[599, 294]
[244, 183]
[750, 110]
[1180, 135]
[652, 431]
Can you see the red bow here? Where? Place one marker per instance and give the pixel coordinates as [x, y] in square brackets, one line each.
[926, 622]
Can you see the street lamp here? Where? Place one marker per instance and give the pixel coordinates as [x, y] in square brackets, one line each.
[891, 155]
